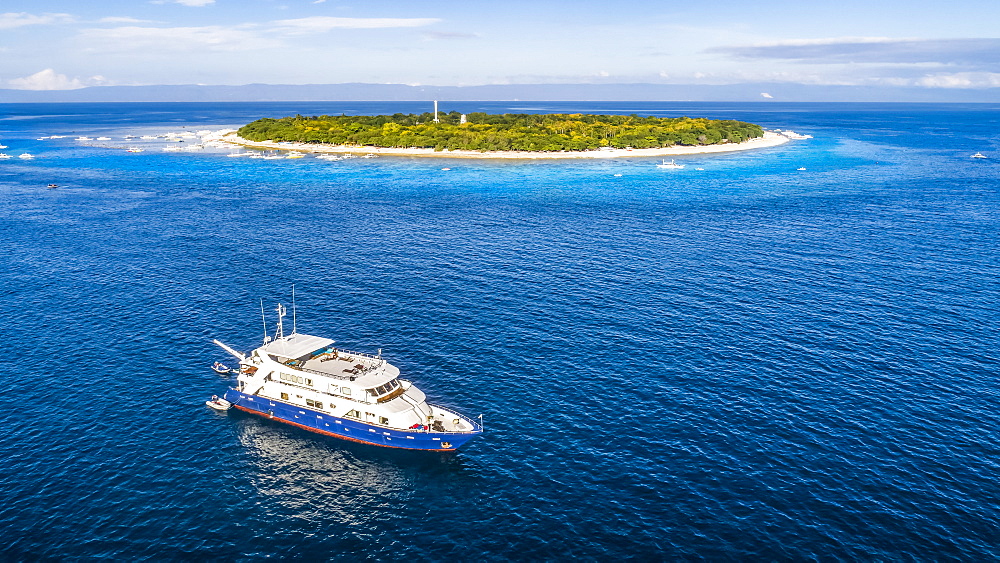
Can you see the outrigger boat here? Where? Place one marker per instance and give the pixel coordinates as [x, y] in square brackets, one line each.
[305, 381]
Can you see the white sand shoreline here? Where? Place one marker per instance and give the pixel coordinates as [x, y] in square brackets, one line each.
[770, 139]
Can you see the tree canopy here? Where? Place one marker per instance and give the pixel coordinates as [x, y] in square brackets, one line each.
[502, 132]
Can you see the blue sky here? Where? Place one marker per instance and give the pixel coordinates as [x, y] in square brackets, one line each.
[65, 44]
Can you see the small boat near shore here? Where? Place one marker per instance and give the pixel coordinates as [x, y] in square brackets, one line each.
[670, 165]
[336, 156]
[978, 155]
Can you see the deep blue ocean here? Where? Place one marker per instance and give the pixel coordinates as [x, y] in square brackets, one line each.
[745, 362]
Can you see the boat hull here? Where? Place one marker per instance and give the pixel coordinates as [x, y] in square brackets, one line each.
[346, 428]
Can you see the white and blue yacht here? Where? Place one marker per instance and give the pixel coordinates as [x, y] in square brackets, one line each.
[307, 382]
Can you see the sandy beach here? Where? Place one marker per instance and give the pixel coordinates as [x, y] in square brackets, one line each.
[770, 139]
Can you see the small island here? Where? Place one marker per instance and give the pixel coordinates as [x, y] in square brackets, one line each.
[506, 135]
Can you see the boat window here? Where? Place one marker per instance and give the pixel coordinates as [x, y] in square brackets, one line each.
[347, 391]
[284, 396]
[383, 389]
[309, 382]
[314, 404]
[295, 378]
[354, 413]
[383, 420]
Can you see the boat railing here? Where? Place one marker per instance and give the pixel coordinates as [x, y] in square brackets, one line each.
[351, 375]
[475, 425]
[362, 354]
[348, 377]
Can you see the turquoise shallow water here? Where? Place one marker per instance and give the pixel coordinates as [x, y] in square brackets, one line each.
[748, 361]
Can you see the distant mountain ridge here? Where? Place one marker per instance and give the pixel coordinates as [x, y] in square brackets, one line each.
[777, 92]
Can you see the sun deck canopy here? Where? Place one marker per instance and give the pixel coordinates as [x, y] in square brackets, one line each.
[297, 345]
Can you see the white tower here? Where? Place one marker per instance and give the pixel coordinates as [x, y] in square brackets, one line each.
[436, 120]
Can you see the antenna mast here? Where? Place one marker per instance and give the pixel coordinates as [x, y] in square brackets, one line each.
[293, 308]
[263, 320]
[280, 333]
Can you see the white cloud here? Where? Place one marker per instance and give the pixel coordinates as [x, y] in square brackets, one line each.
[970, 54]
[214, 38]
[322, 24]
[45, 80]
[122, 19]
[894, 81]
[961, 80]
[11, 20]
[824, 41]
[173, 39]
[766, 95]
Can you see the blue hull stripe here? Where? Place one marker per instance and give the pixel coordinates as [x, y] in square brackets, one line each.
[347, 428]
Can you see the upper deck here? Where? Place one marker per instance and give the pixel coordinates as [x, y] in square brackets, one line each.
[317, 355]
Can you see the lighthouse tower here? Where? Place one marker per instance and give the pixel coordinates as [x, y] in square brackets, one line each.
[436, 120]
